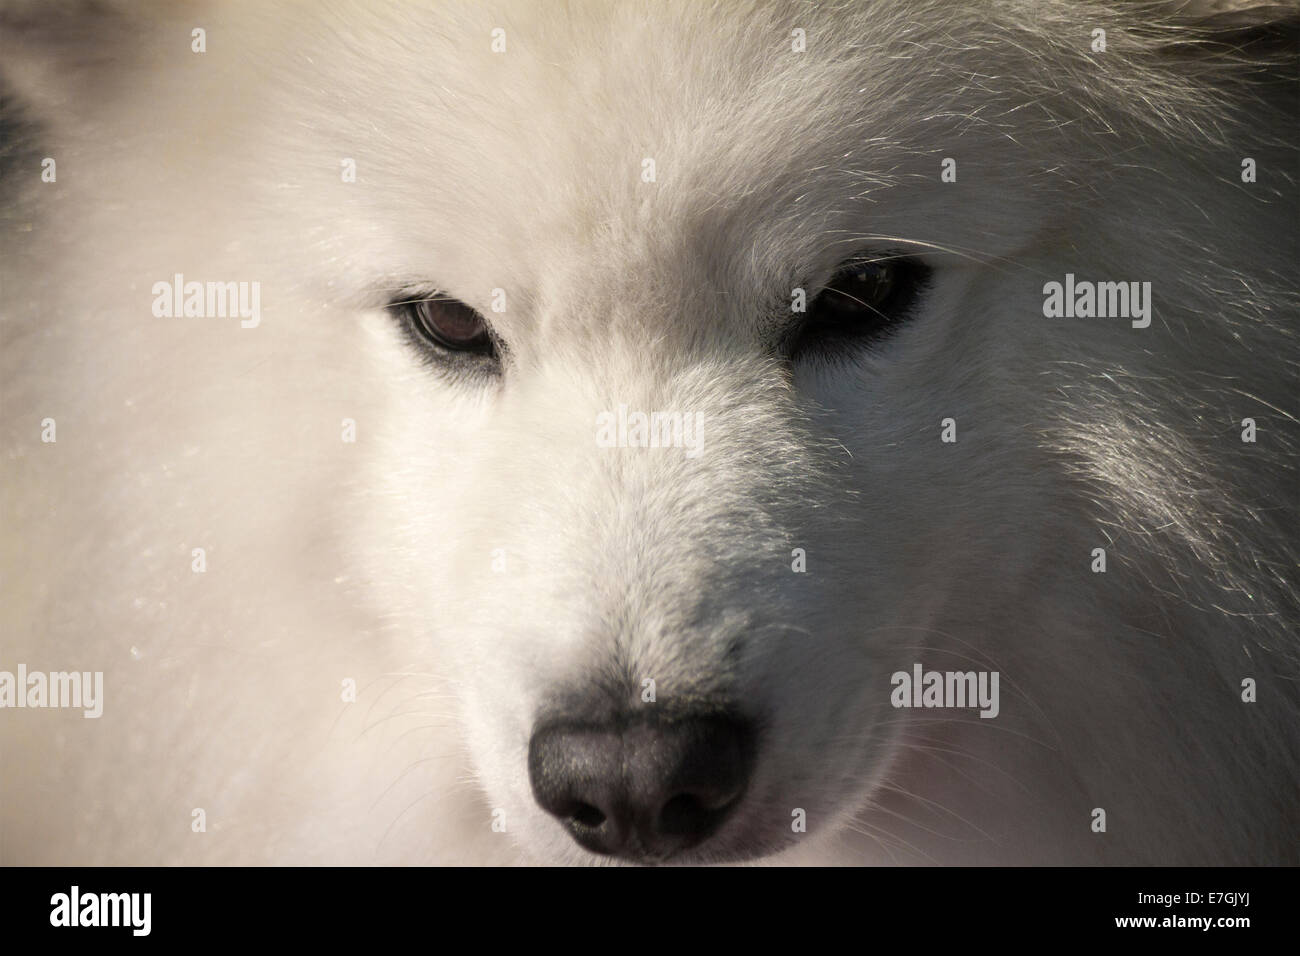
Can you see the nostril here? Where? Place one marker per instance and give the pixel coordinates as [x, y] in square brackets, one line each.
[587, 815]
[687, 815]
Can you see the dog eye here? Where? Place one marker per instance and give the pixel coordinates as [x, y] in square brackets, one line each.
[447, 324]
[864, 302]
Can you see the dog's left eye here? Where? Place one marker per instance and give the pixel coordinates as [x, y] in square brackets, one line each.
[863, 303]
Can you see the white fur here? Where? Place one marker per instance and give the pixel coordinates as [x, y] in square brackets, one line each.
[373, 561]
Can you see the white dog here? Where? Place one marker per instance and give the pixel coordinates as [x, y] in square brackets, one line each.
[652, 432]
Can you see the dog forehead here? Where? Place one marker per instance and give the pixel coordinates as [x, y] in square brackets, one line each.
[628, 159]
[541, 132]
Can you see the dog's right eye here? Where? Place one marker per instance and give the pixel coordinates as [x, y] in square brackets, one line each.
[448, 324]
[447, 331]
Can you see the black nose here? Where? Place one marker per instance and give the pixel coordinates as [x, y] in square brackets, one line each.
[643, 791]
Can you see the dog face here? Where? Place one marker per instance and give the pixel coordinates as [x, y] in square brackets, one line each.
[634, 235]
[738, 599]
